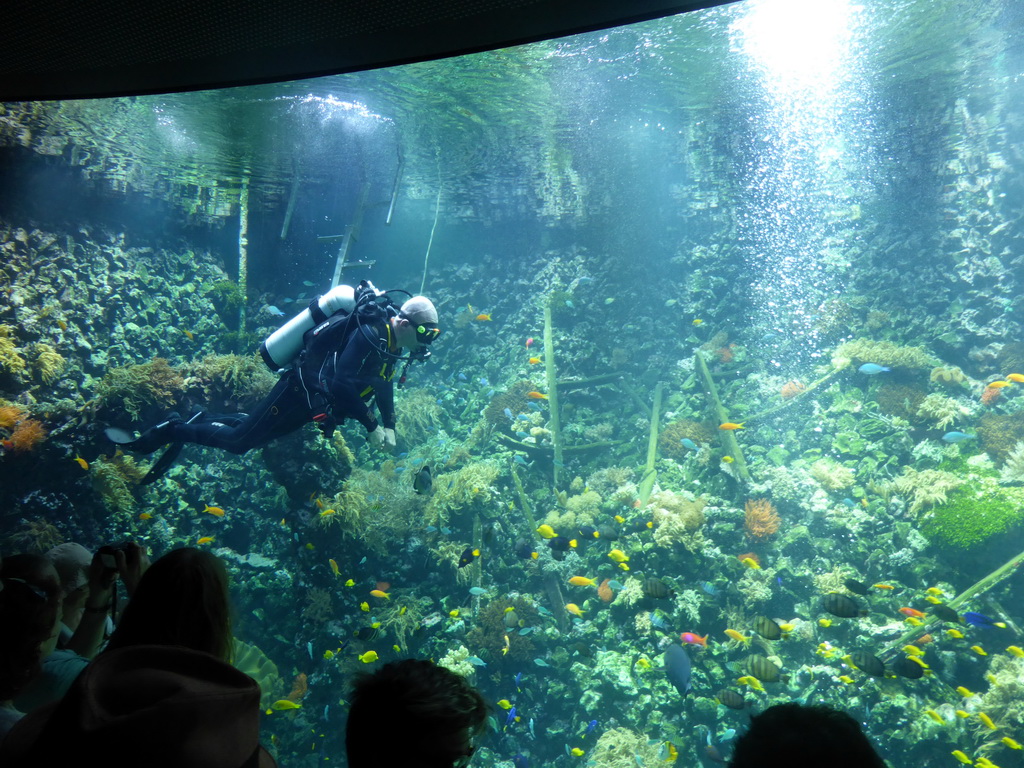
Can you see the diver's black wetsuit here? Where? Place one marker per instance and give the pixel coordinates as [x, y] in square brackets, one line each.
[346, 381]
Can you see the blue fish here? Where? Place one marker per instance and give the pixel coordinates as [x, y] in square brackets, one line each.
[523, 417]
[520, 434]
[520, 460]
[485, 383]
[540, 662]
[519, 679]
[532, 734]
[956, 437]
[688, 444]
[525, 631]
[569, 304]
[445, 529]
[508, 413]
[872, 369]
[520, 761]
[463, 377]
[275, 311]
[590, 728]
[707, 587]
[511, 717]
[981, 620]
[477, 591]
[476, 661]
[849, 502]
[616, 585]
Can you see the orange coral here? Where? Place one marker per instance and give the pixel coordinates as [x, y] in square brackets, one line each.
[10, 415]
[792, 388]
[605, 592]
[28, 433]
[990, 395]
[725, 354]
[299, 688]
[761, 518]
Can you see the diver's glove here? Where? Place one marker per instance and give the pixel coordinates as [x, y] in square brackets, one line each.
[326, 423]
[389, 439]
[377, 439]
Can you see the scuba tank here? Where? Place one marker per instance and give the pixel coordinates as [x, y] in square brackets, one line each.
[281, 348]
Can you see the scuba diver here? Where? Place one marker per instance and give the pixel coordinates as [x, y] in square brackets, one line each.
[337, 356]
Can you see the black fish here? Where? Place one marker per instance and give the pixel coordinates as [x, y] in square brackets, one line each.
[857, 587]
[562, 544]
[731, 699]
[657, 589]
[842, 606]
[906, 667]
[609, 532]
[589, 532]
[944, 613]
[468, 556]
[868, 663]
[677, 668]
[422, 481]
[764, 670]
[767, 628]
[525, 550]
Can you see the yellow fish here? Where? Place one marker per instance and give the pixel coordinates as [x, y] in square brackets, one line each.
[964, 692]
[846, 679]
[534, 360]
[350, 583]
[328, 512]
[380, 593]
[582, 581]
[402, 610]
[574, 609]
[826, 623]
[998, 384]
[751, 563]
[577, 751]
[205, 540]
[1010, 743]
[282, 705]
[216, 511]
[731, 425]
[368, 658]
[954, 633]
[962, 757]
[454, 613]
[1015, 650]
[623, 567]
[979, 650]
[698, 321]
[547, 531]
[728, 459]
[913, 621]
[505, 704]
[334, 566]
[310, 545]
[618, 556]
[328, 654]
[962, 714]
[751, 681]
[188, 334]
[913, 650]
[82, 463]
[364, 606]
[737, 636]
[507, 646]
[987, 721]
[643, 663]
[620, 519]
[933, 600]
[934, 591]
[935, 716]
[1018, 377]
[146, 516]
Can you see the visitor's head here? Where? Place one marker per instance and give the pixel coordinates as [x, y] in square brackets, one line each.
[182, 599]
[72, 563]
[414, 714]
[417, 323]
[794, 734]
[29, 627]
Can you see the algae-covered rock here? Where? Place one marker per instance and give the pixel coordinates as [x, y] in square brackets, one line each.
[861, 351]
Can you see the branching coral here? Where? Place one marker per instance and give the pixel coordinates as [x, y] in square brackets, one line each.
[319, 608]
[760, 518]
[493, 626]
[1012, 472]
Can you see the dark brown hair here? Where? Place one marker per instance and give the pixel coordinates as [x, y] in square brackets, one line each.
[182, 599]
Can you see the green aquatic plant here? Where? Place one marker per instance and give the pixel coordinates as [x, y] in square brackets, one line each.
[234, 382]
[115, 479]
[421, 415]
[885, 353]
[34, 536]
[227, 298]
[974, 514]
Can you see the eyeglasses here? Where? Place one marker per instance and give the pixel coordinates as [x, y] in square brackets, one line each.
[40, 593]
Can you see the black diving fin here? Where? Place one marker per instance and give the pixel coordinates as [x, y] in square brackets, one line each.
[161, 465]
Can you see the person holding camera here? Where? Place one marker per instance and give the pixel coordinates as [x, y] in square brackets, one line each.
[335, 366]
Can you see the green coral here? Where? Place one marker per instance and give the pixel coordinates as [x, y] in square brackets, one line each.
[623, 748]
[227, 297]
[253, 662]
[115, 479]
[885, 353]
[671, 437]
[585, 507]
[131, 388]
[229, 381]
[974, 514]
[49, 363]
[676, 518]
[998, 433]
[472, 485]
